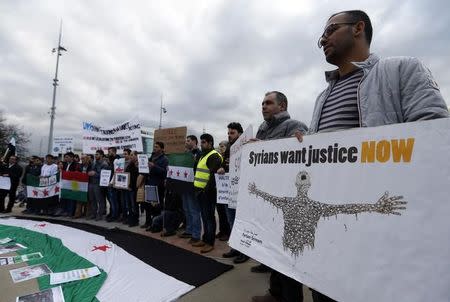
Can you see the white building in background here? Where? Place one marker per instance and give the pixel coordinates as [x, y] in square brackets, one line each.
[147, 139]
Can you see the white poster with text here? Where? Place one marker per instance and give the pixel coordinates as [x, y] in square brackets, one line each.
[358, 215]
[122, 136]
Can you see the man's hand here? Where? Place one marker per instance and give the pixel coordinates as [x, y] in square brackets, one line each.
[299, 135]
[151, 164]
[91, 173]
[390, 205]
[221, 171]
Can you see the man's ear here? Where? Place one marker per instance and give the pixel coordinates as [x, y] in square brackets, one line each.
[358, 29]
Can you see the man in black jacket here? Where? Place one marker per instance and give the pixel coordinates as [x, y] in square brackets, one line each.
[14, 172]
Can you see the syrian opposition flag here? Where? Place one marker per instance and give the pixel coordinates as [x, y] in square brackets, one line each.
[123, 277]
[180, 173]
[42, 187]
[74, 185]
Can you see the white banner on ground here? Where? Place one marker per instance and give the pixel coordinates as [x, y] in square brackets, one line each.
[235, 163]
[223, 188]
[124, 135]
[359, 215]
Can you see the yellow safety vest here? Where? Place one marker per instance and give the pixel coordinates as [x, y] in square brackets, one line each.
[202, 172]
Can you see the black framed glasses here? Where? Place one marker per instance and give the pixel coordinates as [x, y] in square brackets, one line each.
[330, 29]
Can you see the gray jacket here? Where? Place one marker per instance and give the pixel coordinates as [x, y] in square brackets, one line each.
[392, 90]
[279, 127]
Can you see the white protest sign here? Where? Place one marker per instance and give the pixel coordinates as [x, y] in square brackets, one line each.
[105, 176]
[352, 212]
[223, 188]
[124, 135]
[62, 144]
[235, 163]
[143, 163]
[5, 183]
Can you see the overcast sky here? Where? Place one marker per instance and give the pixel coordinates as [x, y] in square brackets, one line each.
[211, 60]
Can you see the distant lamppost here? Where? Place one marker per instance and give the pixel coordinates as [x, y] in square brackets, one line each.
[161, 111]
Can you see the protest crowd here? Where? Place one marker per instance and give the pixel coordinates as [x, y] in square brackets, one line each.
[365, 91]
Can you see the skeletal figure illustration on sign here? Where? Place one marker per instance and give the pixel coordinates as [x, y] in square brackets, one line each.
[301, 214]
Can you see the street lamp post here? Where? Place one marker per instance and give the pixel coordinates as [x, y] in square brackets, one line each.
[161, 111]
[55, 84]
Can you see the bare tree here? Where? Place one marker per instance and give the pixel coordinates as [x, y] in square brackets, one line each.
[8, 130]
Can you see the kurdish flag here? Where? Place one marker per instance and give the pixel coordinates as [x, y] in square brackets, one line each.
[180, 173]
[42, 187]
[74, 185]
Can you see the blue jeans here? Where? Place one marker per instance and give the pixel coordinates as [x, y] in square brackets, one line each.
[192, 211]
[113, 203]
[208, 210]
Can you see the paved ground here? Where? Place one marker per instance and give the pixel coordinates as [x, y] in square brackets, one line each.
[236, 285]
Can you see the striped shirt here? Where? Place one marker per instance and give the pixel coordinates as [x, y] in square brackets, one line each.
[340, 110]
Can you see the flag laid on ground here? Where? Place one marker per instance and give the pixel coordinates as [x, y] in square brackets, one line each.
[125, 277]
[74, 185]
[42, 187]
[58, 258]
[180, 173]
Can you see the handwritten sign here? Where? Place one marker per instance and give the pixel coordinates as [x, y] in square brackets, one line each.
[173, 138]
[223, 188]
[105, 176]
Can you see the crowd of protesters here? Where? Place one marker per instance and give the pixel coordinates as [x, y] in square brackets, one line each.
[365, 91]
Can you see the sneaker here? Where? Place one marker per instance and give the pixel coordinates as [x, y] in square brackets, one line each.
[184, 235]
[198, 244]
[261, 268]
[206, 249]
[241, 259]
[232, 253]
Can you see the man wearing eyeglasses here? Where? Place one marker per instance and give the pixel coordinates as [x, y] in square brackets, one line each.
[366, 91]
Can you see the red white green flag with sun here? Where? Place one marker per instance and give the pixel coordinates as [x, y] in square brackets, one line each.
[74, 185]
[43, 187]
